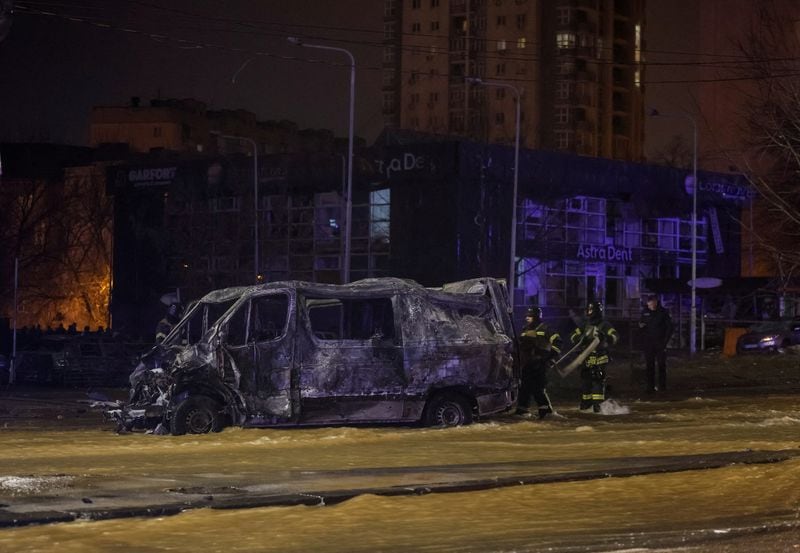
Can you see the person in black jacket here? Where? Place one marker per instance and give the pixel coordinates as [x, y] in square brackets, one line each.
[539, 346]
[656, 326]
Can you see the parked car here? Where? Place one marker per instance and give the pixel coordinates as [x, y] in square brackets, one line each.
[76, 361]
[295, 353]
[770, 336]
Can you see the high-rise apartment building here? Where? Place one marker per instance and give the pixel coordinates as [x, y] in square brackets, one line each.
[576, 64]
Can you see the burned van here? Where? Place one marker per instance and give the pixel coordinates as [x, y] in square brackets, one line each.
[374, 351]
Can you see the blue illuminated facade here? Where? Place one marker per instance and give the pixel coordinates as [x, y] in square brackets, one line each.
[588, 228]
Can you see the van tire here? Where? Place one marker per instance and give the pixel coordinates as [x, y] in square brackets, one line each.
[196, 415]
[448, 409]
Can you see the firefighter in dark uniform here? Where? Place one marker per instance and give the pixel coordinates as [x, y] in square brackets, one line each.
[593, 372]
[539, 347]
[165, 325]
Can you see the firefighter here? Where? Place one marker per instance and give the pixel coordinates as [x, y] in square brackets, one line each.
[165, 325]
[539, 347]
[593, 372]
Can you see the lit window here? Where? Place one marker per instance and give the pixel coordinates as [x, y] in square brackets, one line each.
[637, 78]
[521, 42]
[637, 42]
[501, 44]
[565, 40]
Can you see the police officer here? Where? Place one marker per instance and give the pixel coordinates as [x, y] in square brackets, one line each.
[593, 372]
[539, 347]
[165, 325]
[656, 325]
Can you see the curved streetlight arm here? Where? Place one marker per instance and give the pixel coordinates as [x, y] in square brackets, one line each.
[348, 226]
[512, 271]
[256, 248]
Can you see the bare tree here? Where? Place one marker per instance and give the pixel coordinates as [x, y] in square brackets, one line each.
[60, 230]
[772, 122]
[676, 153]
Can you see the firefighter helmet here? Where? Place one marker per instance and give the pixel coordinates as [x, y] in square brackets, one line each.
[534, 312]
[594, 312]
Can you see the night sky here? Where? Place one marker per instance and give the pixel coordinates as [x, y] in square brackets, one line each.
[55, 69]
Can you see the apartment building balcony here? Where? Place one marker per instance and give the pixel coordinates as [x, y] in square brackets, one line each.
[621, 108]
[583, 99]
[458, 6]
[586, 27]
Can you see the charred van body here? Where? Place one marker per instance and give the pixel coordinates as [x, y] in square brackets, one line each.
[291, 353]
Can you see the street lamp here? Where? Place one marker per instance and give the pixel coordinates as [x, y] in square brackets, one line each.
[512, 272]
[693, 282]
[348, 226]
[255, 197]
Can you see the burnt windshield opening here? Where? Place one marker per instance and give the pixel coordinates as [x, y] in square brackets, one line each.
[351, 319]
[197, 321]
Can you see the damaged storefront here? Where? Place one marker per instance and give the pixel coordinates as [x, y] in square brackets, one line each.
[587, 228]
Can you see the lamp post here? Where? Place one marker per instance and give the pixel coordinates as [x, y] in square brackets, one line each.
[693, 282]
[348, 226]
[255, 198]
[512, 272]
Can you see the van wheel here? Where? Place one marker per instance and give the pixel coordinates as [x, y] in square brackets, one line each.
[196, 415]
[448, 409]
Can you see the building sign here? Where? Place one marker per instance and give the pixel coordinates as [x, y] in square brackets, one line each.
[405, 162]
[143, 177]
[724, 189]
[156, 176]
[591, 252]
[713, 220]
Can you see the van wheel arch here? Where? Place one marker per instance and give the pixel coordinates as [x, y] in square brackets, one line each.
[448, 408]
[197, 414]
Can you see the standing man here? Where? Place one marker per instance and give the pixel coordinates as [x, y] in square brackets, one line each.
[656, 325]
[539, 346]
[593, 372]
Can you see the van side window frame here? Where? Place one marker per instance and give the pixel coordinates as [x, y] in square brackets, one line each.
[271, 293]
[394, 339]
[249, 314]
